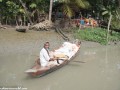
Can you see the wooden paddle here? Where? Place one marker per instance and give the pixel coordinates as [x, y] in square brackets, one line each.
[79, 61]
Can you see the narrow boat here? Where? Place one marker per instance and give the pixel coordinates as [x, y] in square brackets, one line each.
[21, 28]
[37, 71]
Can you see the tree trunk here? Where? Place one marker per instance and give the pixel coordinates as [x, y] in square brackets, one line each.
[50, 10]
[6, 20]
[108, 28]
[24, 21]
[16, 21]
[0, 24]
[119, 3]
[0, 17]
[27, 13]
[38, 15]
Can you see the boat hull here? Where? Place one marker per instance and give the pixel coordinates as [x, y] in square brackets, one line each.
[44, 71]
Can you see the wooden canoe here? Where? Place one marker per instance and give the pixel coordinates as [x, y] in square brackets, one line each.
[37, 71]
[21, 28]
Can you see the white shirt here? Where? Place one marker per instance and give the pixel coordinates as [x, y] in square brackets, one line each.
[44, 57]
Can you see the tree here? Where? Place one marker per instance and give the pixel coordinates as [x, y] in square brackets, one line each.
[50, 9]
[109, 10]
[27, 13]
[70, 6]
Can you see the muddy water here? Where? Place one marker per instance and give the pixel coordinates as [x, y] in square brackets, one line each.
[99, 68]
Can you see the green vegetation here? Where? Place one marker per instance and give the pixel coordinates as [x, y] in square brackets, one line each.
[96, 35]
[34, 11]
[22, 12]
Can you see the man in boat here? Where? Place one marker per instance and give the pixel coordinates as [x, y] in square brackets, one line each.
[45, 58]
[66, 51]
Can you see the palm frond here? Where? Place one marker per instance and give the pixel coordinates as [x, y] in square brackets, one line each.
[67, 10]
[105, 12]
[64, 1]
[103, 8]
[82, 3]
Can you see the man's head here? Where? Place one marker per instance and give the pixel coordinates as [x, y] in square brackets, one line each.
[77, 42]
[46, 45]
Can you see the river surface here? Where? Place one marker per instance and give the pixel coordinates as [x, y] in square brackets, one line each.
[98, 67]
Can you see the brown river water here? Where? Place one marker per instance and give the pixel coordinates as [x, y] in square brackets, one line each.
[98, 69]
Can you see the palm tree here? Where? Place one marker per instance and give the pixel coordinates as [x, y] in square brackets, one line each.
[69, 6]
[50, 10]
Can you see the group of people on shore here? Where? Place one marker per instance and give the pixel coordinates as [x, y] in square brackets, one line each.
[84, 22]
[56, 57]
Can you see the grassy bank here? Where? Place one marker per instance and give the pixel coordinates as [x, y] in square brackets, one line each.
[96, 35]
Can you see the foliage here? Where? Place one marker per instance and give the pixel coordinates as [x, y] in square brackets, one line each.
[115, 23]
[109, 10]
[96, 35]
[33, 5]
[11, 8]
[116, 20]
[70, 6]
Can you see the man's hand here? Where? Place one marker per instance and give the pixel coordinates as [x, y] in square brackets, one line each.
[52, 59]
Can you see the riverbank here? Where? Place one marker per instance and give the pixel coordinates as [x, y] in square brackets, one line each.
[30, 42]
[98, 35]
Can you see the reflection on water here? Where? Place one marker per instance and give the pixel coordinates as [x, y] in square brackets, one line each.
[118, 66]
[18, 51]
